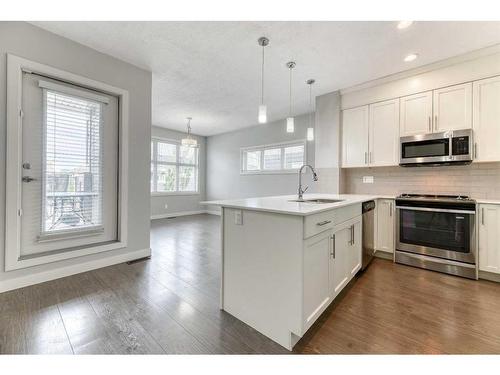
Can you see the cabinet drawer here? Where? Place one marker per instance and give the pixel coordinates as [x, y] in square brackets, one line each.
[322, 221]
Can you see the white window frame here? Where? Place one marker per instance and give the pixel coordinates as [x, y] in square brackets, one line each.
[262, 148]
[15, 67]
[177, 164]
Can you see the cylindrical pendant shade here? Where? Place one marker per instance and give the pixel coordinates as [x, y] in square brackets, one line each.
[290, 126]
[310, 134]
[262, 114]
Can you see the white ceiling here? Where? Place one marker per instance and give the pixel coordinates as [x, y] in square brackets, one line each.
[211, 70]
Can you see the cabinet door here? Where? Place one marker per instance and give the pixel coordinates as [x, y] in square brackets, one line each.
[486, 114]
[385, 225]
[384, 133]
[355, 137]
[453, 108]
[489, 238]
[416, 114]
[316, 295]
[339, 261]
[355, 248]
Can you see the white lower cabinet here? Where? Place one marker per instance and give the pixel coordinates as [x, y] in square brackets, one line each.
[489, 238]
[317, 250]
[331, 259]
[385, 228]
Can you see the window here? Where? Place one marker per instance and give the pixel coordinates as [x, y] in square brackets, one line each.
[72, 164]
[174, 168]
[276, 158]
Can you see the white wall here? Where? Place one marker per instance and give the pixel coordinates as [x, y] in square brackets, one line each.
[179, 204]
[224, 180]
[28, 41]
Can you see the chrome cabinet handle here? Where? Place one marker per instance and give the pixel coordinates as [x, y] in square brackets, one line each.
[482, 215]
[430, 126]
[332, 238]
[321, 223]
[435, 122]
[28, 179]
[352, 234]
[371, 157]
[366, 157]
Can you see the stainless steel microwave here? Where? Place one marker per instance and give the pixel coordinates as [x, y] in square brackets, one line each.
[450, 147]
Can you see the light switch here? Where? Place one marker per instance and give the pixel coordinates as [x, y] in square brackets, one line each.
[238, 217]
[367, 179]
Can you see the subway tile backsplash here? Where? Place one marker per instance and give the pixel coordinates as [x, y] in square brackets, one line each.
[480, 181]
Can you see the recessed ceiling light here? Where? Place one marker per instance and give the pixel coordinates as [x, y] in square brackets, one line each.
[404, 24]
[410, 57]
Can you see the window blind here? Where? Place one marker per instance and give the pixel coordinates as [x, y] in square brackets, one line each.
[72, 164]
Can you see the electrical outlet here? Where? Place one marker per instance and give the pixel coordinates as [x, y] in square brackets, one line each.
[238, 217]
[166, 205]
[368, 180]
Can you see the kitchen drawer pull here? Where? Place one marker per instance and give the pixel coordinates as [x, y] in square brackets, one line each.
[332, 238]
[321, 223]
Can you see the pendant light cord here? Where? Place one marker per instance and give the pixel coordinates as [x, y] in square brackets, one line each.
[310, 105]
[290, 114]
[262, 77]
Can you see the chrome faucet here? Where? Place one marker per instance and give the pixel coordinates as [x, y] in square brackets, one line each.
[315, 178]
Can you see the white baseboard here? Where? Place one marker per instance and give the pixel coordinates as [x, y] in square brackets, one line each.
[175, 214]
[37, 278]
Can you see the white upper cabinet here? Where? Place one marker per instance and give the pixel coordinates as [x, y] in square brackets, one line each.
[452, 108]
[355, 137]
[489, 238]
[416, 114]
[384, 133]
[486, 115]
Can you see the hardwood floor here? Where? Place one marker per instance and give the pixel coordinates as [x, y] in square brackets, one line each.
[170, 304]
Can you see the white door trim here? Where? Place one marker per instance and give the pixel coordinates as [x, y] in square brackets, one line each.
[15, 67]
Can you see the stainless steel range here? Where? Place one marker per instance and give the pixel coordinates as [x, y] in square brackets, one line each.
[437, 232]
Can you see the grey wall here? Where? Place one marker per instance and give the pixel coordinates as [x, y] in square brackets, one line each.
[223, 162]
[28, 41]
[327, 142]
[180, 203]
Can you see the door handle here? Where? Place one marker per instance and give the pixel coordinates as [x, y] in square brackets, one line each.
[435, 122]
[332, 238]
[28, 179]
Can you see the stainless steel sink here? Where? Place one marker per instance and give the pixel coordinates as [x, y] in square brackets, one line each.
[318, 201]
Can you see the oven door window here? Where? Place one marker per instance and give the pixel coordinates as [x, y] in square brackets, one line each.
[422, 149]
[439, 230]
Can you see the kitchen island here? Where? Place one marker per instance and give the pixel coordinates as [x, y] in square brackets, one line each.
[284, 262]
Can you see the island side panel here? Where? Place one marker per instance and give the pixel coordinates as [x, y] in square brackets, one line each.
[262, 272]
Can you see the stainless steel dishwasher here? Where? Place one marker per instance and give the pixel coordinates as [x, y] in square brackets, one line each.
[368, 210]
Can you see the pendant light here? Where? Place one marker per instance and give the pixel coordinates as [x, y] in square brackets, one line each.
[189, 141]
[290, 126]
[263, 42]
[310, 129]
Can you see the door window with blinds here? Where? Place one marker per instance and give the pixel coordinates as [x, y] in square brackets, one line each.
[276, 158]
[70, 166]
[174, 167]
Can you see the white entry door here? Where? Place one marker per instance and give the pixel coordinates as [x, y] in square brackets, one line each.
[69, 167]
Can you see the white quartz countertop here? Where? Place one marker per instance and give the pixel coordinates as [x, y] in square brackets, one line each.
[284, 204]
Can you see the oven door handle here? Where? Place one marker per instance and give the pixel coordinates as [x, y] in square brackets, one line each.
[436, 210]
